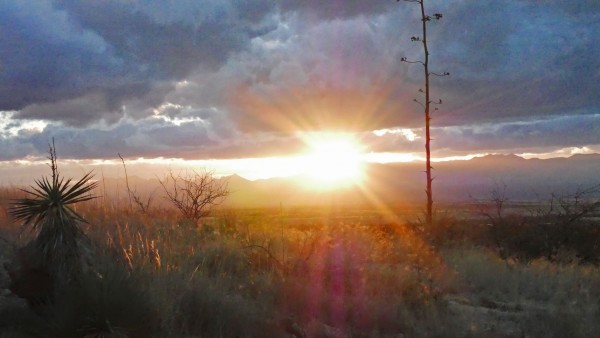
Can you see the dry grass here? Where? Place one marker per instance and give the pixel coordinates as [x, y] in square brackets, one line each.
[257, 273]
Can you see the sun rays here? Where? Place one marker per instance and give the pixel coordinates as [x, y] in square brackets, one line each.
[332, 159]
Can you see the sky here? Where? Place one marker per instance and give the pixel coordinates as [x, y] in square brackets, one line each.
[232, 80]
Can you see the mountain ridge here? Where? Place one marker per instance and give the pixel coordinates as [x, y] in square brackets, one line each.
[455, 181]
[394, 183]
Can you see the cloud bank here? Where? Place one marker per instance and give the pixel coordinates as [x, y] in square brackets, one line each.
[233, 78]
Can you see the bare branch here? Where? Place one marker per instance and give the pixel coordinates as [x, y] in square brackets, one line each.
[419, 103]
[143, 205]
[193, 194]
[126, 182]
[403, 59]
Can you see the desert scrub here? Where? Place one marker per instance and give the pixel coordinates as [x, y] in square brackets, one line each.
[59, 242]
[109, 301]
[207, 310]
[366, 281]
[546, 299]
[539, 280]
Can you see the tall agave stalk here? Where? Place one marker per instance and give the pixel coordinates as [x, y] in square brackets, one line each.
[48, 211]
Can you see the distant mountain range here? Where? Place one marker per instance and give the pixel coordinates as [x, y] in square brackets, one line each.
[455, 181]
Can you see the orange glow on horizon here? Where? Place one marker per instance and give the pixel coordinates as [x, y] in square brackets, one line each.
[336, 158]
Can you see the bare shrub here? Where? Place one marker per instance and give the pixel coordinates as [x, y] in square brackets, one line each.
[556, 229]
[194, 193]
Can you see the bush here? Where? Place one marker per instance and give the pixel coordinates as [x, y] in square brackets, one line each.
[206, 311]
[109, 301]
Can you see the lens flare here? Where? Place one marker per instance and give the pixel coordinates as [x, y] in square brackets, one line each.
[333, 159]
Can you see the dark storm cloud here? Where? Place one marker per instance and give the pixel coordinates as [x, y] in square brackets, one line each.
[557, 132]
[43, 60]
[577, 130]
[106, 52]
[518, 59]
[172, 132]
[333, 74]
[94, 105]
[126, 138]
[164, 40]
[508, 61]
[337, 8]
[234, 78]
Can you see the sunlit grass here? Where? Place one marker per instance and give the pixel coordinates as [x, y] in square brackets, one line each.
[265, 273]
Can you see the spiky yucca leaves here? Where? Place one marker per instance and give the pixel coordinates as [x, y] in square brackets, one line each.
[54, 222]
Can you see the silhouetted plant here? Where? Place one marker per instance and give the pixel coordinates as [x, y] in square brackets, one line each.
[564, 221]
[426, 103]
[143, 205]
[117, 304]
[493, 209]
[193, 194]
[569, 208]
[55, 223]
[556, 228]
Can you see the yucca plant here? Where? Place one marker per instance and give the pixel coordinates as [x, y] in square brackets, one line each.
[56, 226]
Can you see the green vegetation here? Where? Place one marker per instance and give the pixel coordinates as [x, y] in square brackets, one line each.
[300, 273]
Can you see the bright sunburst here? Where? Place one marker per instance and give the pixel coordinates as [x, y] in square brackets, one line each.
[333, 159]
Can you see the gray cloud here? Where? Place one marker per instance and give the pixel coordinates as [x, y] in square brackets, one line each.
[518, 59]
[336, 9]
[511, 137]
[334, 74]
[238, 76]
[565, 131]
[509, 61]
[111, 51]
[194, 136]
[172, 132]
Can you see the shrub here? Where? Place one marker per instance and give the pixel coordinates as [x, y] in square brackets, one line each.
[109, 301]
[58, 237]
[207, 311]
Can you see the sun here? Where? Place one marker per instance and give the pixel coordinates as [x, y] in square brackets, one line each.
[333, 159]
